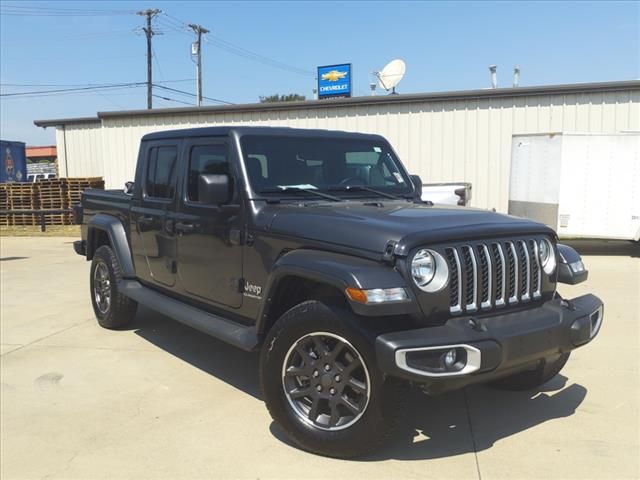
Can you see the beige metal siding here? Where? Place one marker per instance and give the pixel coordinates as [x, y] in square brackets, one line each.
[453, 140]
[80, 151]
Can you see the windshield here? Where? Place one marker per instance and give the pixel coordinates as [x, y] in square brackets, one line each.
[282, 164]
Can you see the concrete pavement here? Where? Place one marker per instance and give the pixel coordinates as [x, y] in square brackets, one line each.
[162, 401]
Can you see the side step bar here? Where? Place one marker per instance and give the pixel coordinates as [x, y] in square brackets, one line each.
[237, 335]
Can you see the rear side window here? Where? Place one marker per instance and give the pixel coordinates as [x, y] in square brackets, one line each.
[205, 159]
[161, 172]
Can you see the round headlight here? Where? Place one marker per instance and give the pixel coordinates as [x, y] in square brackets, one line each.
[547, 256]
[423, 268]
[429, 270]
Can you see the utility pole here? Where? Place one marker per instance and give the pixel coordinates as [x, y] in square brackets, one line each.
[196, 49]
[148, 30]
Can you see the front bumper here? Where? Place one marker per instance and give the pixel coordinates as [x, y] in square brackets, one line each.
[80, 247]
[496, 346]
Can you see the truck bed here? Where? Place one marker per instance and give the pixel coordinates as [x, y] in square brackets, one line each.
[112, 202]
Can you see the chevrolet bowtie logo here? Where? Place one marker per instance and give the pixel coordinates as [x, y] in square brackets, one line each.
[334, 75]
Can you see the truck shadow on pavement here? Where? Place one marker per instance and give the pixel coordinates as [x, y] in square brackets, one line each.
[431, 427]
[221, 360]
[475, 419]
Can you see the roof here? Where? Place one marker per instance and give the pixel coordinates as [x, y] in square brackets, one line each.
[571, 88]
[42, 151]
[240, 131]
[65, 121]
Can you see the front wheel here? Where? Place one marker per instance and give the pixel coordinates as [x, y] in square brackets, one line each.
[321, 383]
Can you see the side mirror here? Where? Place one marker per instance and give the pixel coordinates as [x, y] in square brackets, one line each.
[417, 184]
[128, 188]
[214, 189]
[464, 194]
[571, 270]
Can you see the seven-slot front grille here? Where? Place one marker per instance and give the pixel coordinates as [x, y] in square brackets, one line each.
[493, 274]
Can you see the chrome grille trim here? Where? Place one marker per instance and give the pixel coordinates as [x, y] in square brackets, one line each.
[487, 303]
[513, 298]
[491, 274]
[526, 296]
[457, 307]
[473, 305]
[500, 301]
[537, 290]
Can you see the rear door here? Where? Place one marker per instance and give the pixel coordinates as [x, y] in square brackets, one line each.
[209, 250]
[152, 215]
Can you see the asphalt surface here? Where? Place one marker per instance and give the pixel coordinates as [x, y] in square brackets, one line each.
[160, 400]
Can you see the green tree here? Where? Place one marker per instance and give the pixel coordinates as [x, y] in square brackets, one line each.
[292, 97]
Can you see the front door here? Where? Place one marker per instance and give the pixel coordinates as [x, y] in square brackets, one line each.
[209, 251]
[152, 215]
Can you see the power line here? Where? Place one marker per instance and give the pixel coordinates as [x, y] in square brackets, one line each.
[46, 11]
[68, 92]
[248, 54]
[155, 58]
[115, 85]
[179, 26]
[173, 100]
[77, 89]
[193, 94]
[182, 80]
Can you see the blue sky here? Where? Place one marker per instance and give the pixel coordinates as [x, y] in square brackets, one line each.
[446, 46]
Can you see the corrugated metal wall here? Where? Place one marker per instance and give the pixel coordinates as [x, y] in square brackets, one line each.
[80, 150]
[458, 140]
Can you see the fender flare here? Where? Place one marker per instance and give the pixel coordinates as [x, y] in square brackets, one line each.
[114, 229]
[339, 271]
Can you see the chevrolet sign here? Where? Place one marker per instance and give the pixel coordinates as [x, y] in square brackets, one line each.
[334, 81]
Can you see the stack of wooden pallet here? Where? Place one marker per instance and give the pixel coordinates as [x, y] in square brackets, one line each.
[18, 196]
[75, 186]
[54, 194]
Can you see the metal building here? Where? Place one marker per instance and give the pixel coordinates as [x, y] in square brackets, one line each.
[445, 136]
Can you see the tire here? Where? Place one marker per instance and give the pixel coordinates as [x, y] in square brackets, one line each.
[533, 378]
[356, 407]
[112, 309]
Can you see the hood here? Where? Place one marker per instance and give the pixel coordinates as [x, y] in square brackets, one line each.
[357, 225]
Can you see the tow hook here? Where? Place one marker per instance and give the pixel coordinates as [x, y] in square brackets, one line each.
[476, 325]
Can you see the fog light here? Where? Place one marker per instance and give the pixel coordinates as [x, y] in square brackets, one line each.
[450, 359]
[445, 360]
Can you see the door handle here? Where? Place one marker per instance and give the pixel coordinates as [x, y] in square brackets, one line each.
[184, 227]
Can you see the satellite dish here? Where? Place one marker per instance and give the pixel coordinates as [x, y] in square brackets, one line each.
[389, 77]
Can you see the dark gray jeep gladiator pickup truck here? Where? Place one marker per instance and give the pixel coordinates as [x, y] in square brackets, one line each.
[316, 248]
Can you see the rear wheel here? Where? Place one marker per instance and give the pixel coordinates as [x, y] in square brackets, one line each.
[112, 308]
[533, 378]
[321, 383]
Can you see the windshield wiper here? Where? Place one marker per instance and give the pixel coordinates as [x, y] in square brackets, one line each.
[347, 188]
[301, 190]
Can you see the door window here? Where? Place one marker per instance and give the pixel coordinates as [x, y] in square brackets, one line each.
[205, 159]
[161, 172]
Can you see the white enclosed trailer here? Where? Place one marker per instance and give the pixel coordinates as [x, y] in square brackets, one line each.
[582, 185]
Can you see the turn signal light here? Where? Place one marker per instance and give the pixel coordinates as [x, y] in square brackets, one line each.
[376, 295]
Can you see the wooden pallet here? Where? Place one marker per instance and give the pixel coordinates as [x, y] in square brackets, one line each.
[57, 193]
[23, 220]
